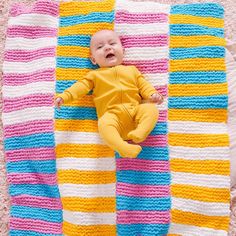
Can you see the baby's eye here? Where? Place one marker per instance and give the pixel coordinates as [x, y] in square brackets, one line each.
[113, 43]
[99, 47]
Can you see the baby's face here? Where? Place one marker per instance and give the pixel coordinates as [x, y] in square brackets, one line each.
[106, 49]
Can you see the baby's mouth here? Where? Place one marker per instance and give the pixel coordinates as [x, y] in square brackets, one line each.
[110, 55]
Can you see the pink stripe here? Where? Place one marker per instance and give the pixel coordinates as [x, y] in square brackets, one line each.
[31, 32]
[137, 18]
[27, 78]
[142, 165]
[155, 141]
[136, 190]
[162, 116]
[35, 100]
[143, 217]
[150, 66]
[29, 55]
[144, 41]
[32, 178]
[163, 89]
[30, 154]
[39, 226]
[27, 128]
[33, 201]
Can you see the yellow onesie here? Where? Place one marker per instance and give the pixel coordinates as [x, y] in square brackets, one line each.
[118, 92]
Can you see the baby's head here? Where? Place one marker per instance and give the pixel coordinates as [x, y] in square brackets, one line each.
[106, 49]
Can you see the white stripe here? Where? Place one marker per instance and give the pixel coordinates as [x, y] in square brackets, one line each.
[29, 44]
[146, 53]
[28, 114]
[189, 127]
[33, 19]
[77, 137]
[142, 29]
[190, 230]
[203, 180]
[159, 79]
[91, 164]
[82, 218]
[147, 7]
[85, 190]
[209, 153]
[204, 208]
[31, 66]
[28, 89]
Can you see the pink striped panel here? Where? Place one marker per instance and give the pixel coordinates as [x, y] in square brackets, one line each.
[155, 141]
[163, 89]
[162, 116]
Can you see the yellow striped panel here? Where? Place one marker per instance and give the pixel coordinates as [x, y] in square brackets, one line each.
[199, 140]
[200, 193]
[82, 8]
[76, 125]
[89, 230]
[198, 20]
[86, 177]
[190, 218]
[197, 89]
[200, 115]
[196, 41]
[83, 150]
[70, 73]
[99, 204]
[73, 51]
[198, 64]
[88, 28]
[214, 167]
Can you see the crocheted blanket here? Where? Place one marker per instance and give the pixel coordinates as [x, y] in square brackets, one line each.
[63, 179]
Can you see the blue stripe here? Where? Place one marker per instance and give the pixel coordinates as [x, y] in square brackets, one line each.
[190, 30]
[74, 40]
[74, 62]
[142, 229]
[76, 113]
[42, 190]
[36, 213]
[208, 77]
[93, 17]
[206, 102]
[30, 141]
[199, 9]
[61, 85]
[142, 204]
[46, 167]
[141, 177]
[197, 52]
[30, 233]
[160, 128]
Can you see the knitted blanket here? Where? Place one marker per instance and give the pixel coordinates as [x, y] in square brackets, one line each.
[178, 185]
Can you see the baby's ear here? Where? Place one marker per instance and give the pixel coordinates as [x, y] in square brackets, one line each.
[93, 60]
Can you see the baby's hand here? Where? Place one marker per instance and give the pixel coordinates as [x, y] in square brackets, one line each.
[157, 98]
[58, 102]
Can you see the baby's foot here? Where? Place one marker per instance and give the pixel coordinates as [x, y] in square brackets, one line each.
[136, 137]
[131, 151]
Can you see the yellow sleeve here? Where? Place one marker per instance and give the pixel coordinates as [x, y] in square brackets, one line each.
[145, 88]
[77, 90]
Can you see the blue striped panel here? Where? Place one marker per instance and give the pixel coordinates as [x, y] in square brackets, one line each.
[74, 40]
[30, 233]
[74, 62]
[46, 167]
[160, 128]
[93, 17]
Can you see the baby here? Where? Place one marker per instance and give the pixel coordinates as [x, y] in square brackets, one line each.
[118, 91]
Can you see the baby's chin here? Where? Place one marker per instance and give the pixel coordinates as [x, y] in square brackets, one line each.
[110, 64]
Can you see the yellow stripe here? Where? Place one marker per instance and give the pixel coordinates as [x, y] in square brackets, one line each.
[201, 115]
[85, 101]
[198, 20]
[197, 89]
[73, 51]
[88, 28]
[195, 41]
[99, 204]
[200, 193]
[86, 177]
[70, 74]
[76, 125]
[198, 140]
[198, 64]
[190, 218]
[214, 167]
[83, 150]
[86, 7]
[89, 230]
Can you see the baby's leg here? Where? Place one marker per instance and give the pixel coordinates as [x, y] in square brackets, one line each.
[110, 131]
[146, 118]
